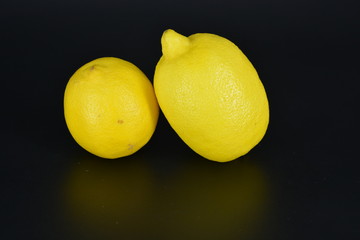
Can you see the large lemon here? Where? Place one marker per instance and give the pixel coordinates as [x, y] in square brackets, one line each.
[110, 107]
[211, 95]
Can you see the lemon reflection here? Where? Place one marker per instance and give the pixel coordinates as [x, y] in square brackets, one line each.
[108, 198]
[200, 200]
[215, 201]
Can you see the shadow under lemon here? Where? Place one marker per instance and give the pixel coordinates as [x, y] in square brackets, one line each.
[108, 198]
[208, 200]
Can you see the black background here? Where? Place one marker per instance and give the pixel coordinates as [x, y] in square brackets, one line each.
[300, 182]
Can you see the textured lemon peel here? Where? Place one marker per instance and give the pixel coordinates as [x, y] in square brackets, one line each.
[211, 95]
[174, 44]
[110, 107]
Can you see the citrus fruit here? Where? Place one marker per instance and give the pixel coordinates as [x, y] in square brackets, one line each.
[110, 107]
[211, 95]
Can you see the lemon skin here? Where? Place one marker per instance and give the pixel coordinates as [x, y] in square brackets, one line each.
[211, 95]
[110, 107]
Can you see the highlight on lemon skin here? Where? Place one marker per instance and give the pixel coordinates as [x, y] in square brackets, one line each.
[211, 95]
[110, 107]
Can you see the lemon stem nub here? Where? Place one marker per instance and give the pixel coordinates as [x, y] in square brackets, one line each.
[173, 44]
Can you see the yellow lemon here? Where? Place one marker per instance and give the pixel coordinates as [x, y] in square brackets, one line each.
[110, 107]
[211, 95]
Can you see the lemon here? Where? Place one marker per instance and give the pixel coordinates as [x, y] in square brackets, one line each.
[110, 107]
[211, 95]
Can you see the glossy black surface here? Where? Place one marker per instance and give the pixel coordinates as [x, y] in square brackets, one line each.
[300, 182]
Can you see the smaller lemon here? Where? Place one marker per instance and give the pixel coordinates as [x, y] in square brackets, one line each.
[110, 107]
